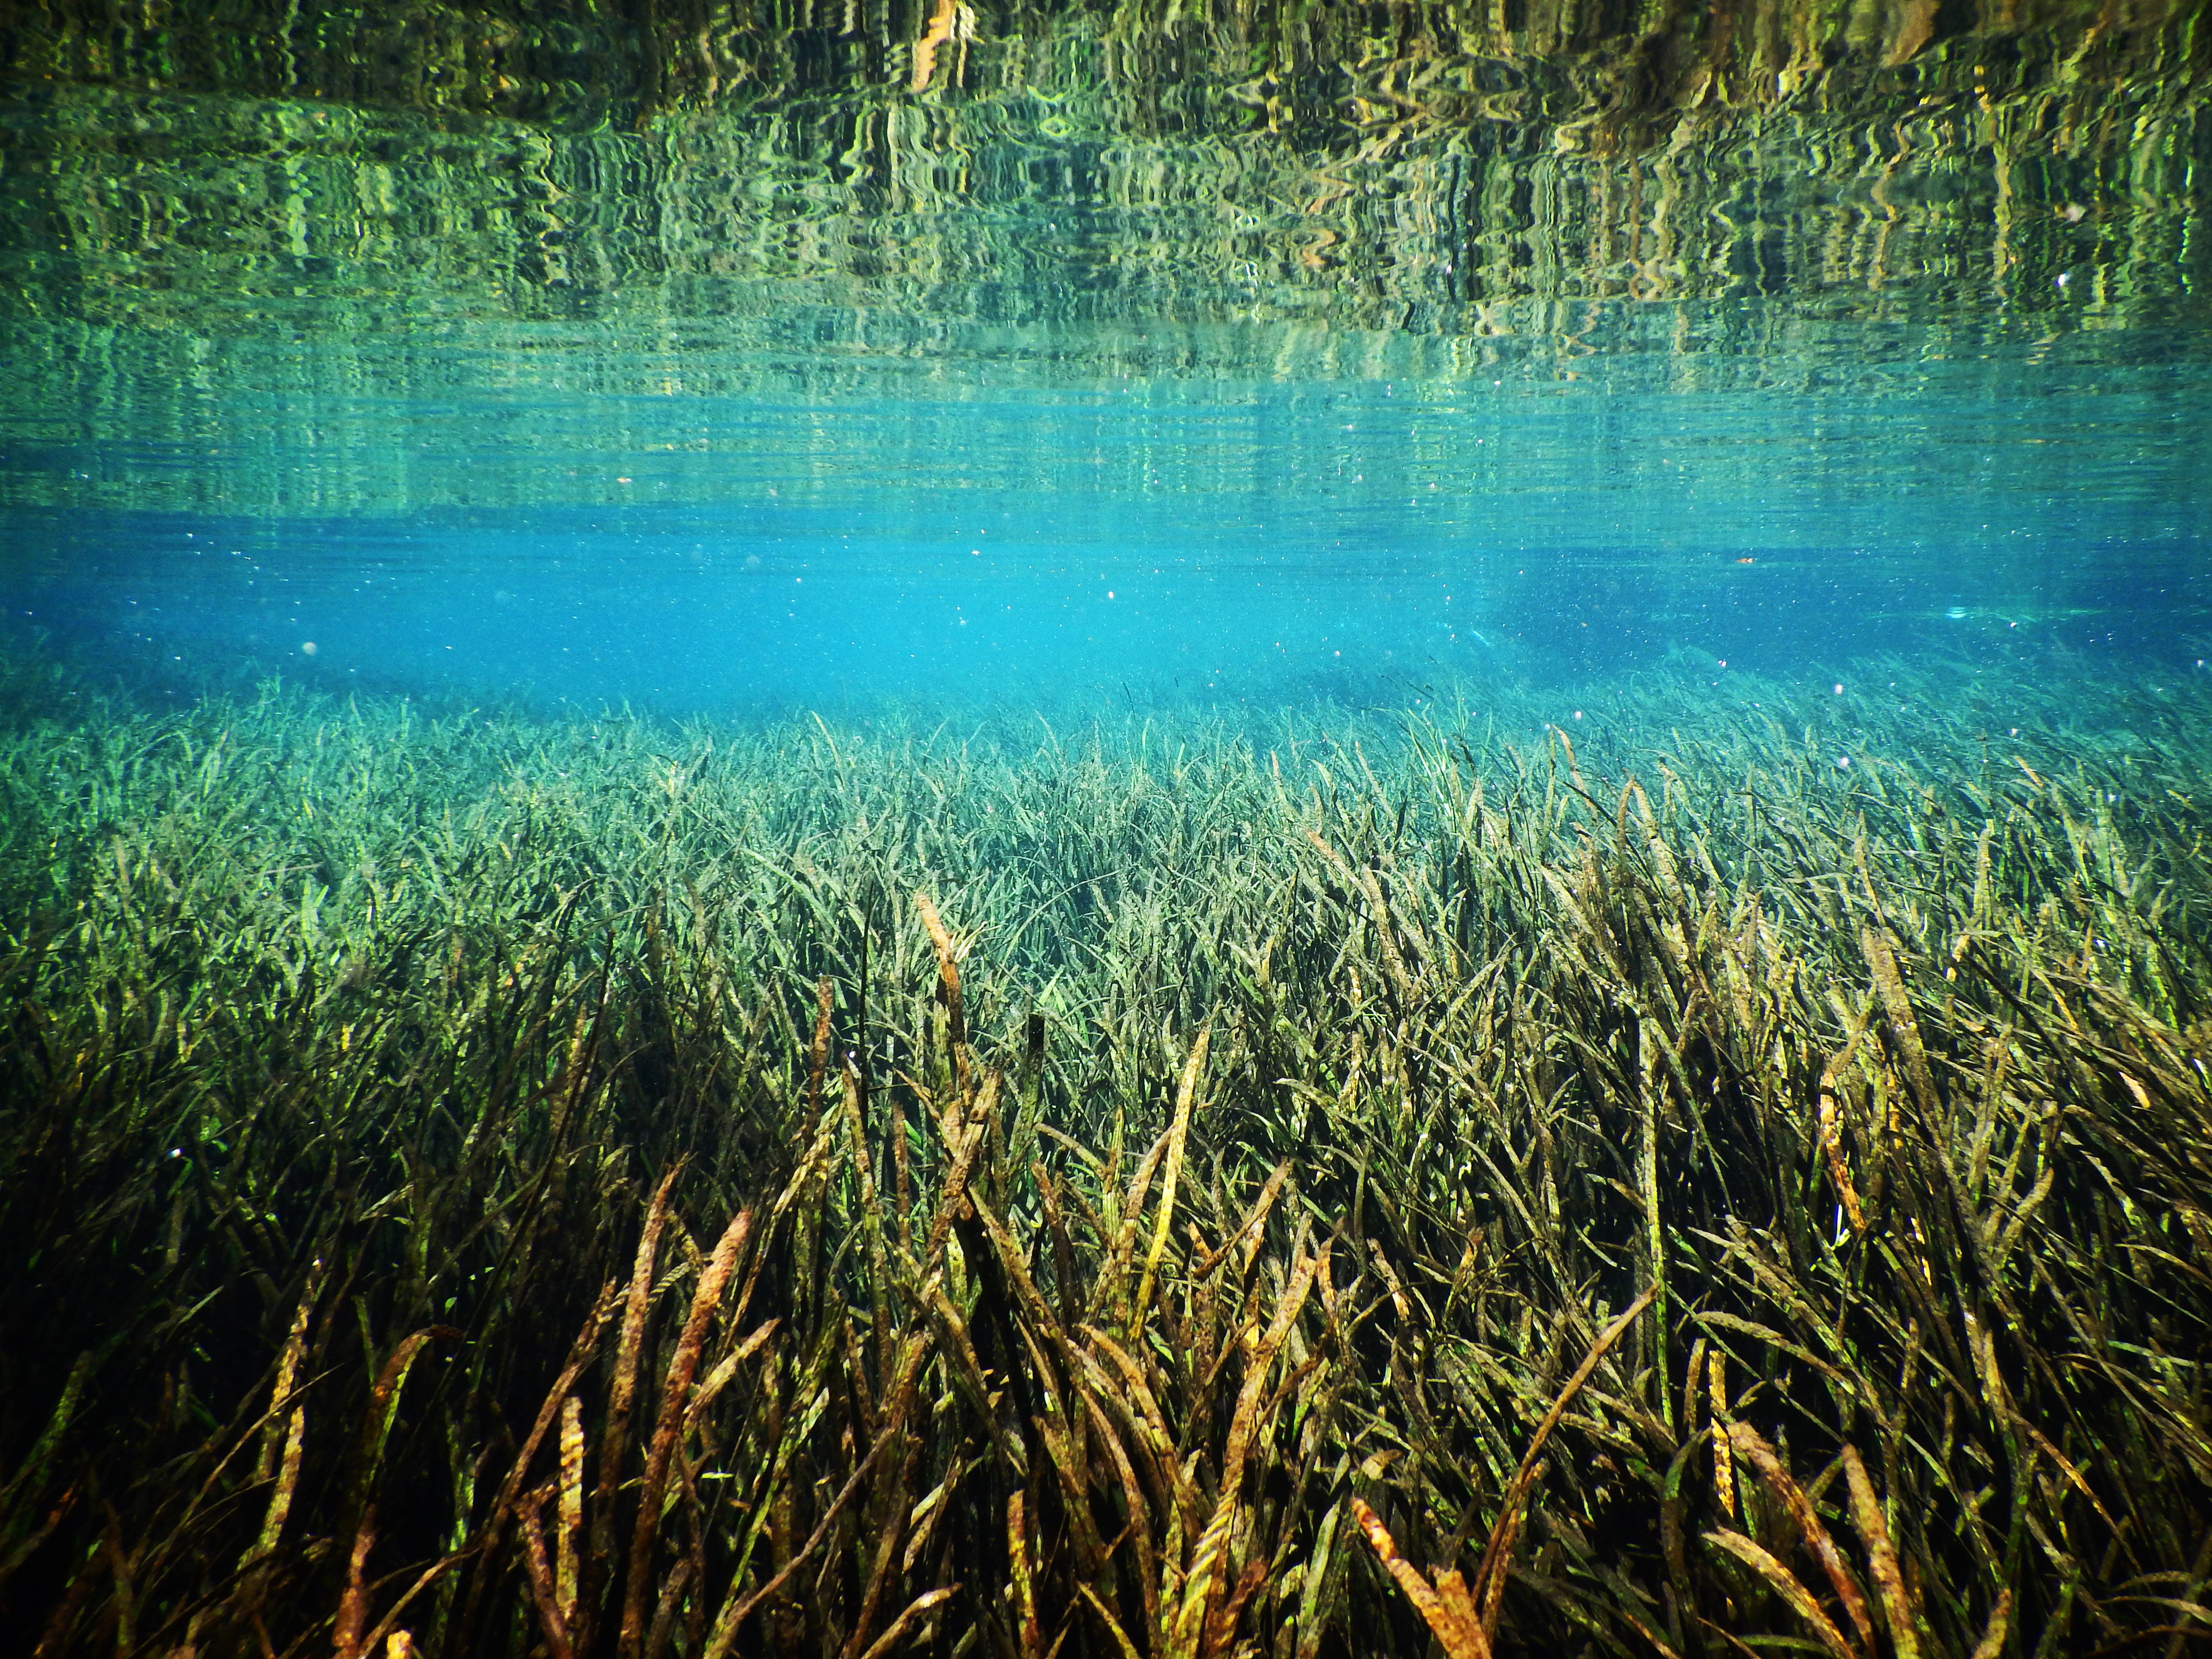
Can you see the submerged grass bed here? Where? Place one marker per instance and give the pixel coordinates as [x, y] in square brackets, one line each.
[479, 1186]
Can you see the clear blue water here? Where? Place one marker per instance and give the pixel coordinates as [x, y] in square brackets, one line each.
[1025, 388]
[1221, 542]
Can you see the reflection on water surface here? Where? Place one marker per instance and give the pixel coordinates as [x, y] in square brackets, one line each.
[1369, 298]
[488, 202]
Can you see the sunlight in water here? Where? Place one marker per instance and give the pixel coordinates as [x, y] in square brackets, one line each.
[1105, 831]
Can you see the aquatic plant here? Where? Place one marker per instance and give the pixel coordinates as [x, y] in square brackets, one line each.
[1309, 1186]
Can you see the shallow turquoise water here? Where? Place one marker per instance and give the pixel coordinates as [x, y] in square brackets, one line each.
[1239, 543]
[699, 412]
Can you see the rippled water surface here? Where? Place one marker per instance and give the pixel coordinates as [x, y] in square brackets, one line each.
[995, 355]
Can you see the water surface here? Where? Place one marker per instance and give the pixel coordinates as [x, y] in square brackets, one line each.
[991, 356]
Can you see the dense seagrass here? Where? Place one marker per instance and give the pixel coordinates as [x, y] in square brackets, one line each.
[477, 1185]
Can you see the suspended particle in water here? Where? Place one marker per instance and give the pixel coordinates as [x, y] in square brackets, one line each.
[1839, 690]
[306, 647]
[1578, 714]
[1843, 763]
[1957, 613]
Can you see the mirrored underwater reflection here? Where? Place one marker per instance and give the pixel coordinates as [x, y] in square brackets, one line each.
[1331, 314]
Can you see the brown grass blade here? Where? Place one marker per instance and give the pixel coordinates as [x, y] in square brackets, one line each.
[738, 1608]
[955, 1196]
[287, 1483]
[1490, 1575]
[568, 1534]
[719, 1378]
[1784, 1583]
[916, 1611]
[544, 1593]
[871, 1220]
[1113, 1272]
[1724, 1461]
[1832, 1146]
[353, 1605]
[1206, 1560]
[1026, 1628]
[288, 1370]
[399, 1642]
[948, 974]
[1252, 1232]
[1458, 1631]
[1221, 1623]
[1205, 1568]
[1993, 1637]
[383, 1409]
[1243, 1424]
[677, 1393]
[580, 1354]
[615, 1441]
[1752, 1446]
[1139, 1528]
[819, 1056]
[1882, 1557]
[1895, 1003]
[1178, 1133]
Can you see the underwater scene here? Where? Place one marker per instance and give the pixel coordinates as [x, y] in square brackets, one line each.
[1105, 829]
